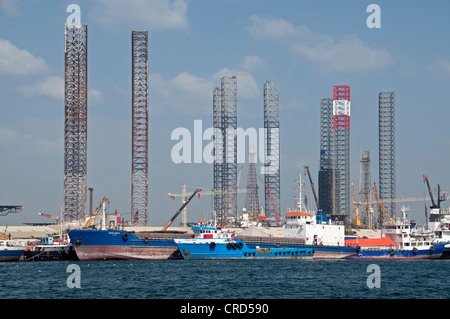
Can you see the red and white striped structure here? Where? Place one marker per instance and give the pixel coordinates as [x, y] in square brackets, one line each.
[341, 152]
[341, 107]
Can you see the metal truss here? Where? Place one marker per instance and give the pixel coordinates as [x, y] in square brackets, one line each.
[386, 134]
[272, 150]
[341, 152]
[75, 121]
[252, 197]
[218, 153]
[326, 161]
[229, 126]
[139, 170]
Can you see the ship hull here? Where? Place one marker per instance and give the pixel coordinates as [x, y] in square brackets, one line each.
[320, 252]
[104, 252]
[401, 254]
[210, 249]
[117, 245]
[11, 254]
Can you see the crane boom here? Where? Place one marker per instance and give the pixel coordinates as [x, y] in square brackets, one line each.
[180, 210]
[88, 223]
[380, 204]
[425, 180]
[312, 186]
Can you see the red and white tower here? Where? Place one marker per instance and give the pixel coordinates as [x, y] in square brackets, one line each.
[341, 152]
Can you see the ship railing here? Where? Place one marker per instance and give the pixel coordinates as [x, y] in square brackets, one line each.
[272, 240]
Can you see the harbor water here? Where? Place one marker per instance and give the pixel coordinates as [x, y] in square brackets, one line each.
[226, 279]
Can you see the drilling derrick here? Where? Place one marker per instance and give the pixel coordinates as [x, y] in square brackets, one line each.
[341, 152]
[139, 169]
[272, 150]
[252, 197]
[386, 133]
[365, 191]
[75, 121]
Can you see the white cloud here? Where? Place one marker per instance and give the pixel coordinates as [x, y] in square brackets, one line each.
[247, 87]
[190, 94]
[50, 86]
[18, 61]
[252, 62]
[270, 28]
[351, 54]
[9, 7]
[347, 54]
[30, 144]
[53, 87]
[155, 14]
[7, 135]
[94, 97]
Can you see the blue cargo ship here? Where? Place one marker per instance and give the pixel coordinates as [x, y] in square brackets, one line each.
[215, 243]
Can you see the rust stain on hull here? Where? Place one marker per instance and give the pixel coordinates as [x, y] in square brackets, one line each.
[93, 252]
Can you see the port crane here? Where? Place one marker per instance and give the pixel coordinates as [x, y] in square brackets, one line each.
[381, 207]
[313, 188]
[211, 192]
[88, 223]
[56, 218]
[5, 210]
[180, 210]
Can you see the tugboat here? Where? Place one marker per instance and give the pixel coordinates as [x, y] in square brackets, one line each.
[215, 243]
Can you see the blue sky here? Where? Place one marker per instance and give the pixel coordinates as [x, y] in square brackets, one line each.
[305, 46]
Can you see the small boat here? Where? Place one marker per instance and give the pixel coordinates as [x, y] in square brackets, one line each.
[215, 243]
[49, 248]
[11, 250]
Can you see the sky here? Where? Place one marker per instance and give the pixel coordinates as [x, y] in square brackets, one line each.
[305, 46]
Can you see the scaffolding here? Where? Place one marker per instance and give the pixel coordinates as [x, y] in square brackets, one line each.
[75, 121]
[386, 131]
[272, 150]
[326, 160]
[365, 191]
[252, 197]
[341, 153]
[139, 170]
[218, 153]
[225, 149]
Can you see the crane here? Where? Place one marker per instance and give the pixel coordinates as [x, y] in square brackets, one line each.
[355, 208]
[312, 186]
[276, 212]
[181, 208]
[5, 210]
[380, 206]
[425, 180]
[56, 218]
[211, 192]
[88, 223]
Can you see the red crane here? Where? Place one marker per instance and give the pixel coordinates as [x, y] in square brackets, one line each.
[277, 214]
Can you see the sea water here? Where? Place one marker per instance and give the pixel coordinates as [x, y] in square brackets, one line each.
[226, 279]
